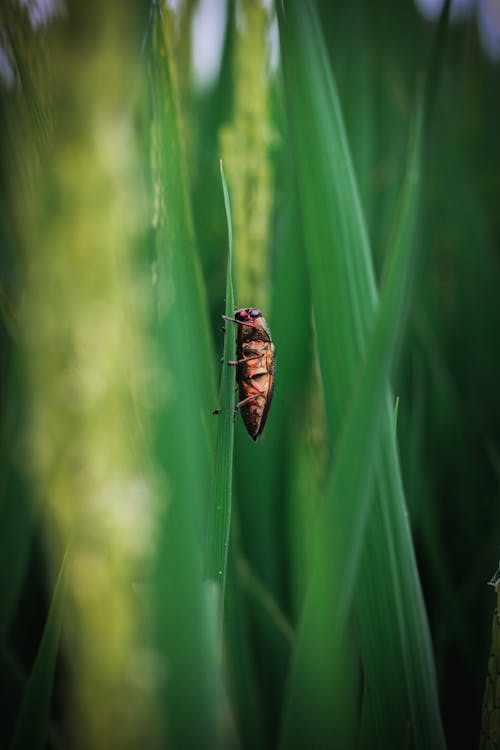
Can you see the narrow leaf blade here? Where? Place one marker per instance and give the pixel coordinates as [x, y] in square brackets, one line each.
[220, 501]
[30, 732]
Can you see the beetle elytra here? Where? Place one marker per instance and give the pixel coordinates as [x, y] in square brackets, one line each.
[256, 366]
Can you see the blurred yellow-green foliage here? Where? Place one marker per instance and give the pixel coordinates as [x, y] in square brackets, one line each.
[355, 610]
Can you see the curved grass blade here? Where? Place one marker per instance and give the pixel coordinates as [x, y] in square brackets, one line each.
[342, 521]
[220, 500]
[30, 732]
[395, 642]
[17, 529]
[490, 729]
[343, 287]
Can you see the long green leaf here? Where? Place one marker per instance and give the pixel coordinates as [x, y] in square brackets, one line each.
[32, 721]
[182, 421]
[17, 527]
[344, 302]
[220, 501]
[342, 523]
[338, 251]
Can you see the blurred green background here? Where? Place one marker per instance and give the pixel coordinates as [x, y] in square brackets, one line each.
[364, 522]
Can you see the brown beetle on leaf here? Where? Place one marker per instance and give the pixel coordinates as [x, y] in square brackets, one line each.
[256, 365]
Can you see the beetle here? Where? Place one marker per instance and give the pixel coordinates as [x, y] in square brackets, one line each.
[256, 367]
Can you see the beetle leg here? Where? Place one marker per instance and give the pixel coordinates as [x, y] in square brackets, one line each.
[257, 387]
[246, 401]
[245, 359]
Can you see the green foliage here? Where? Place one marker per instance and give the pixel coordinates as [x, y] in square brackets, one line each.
[223, 592]
[343, 323]
[181, 412]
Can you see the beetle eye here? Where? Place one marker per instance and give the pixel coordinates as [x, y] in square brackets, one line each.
[255, 313]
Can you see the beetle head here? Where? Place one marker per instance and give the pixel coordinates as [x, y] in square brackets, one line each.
[247, 314]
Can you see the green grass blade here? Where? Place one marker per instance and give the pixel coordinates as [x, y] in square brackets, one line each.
[185, 398]
[220, 501]
[246, 693]
[490, 729]
[17, 529]
[436, 60]
[30, 732]
[342, 521]
[344, 302]
[337, 247]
